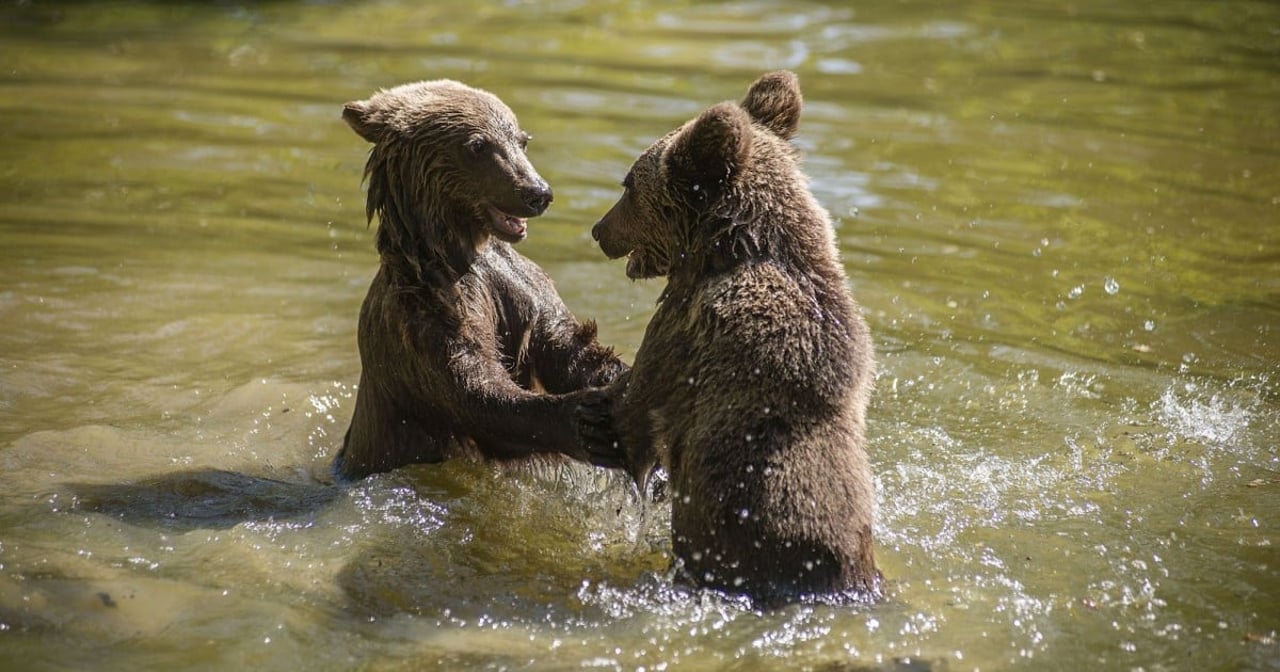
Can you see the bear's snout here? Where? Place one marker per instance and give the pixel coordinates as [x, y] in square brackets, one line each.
[537, 197]
[604, 236]
[607, 232]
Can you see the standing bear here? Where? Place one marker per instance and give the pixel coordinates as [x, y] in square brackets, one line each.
[465, 346]
[751, 383]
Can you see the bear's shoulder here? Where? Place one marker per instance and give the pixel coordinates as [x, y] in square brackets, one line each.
[760, 289]
[758, 307]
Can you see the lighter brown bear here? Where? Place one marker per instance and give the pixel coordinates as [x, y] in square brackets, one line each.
[751, 383]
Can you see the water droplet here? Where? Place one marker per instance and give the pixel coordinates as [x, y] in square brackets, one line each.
[1111, 286]
[1075, 292]
[1149, 325]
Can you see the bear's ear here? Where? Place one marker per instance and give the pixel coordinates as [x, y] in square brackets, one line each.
[365, 119]
[774, 102]
[710, 150]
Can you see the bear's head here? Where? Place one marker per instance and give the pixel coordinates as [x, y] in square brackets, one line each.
[446, 155]
[696, 191]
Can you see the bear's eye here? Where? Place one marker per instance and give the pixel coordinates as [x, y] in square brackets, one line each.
[477, 145]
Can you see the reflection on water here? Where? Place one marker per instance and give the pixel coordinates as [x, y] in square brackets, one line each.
[1061, 221]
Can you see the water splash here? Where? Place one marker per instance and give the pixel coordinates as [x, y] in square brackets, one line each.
[1216, 420]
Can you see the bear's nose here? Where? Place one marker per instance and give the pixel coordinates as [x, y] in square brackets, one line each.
[595, 231]
[538, 197]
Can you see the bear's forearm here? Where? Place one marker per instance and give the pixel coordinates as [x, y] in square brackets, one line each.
[519, 427]
[507, 421]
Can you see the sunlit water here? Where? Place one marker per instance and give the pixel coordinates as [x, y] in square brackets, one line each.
[1063, 221]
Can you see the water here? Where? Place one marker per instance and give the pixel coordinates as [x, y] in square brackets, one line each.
[1062, 221]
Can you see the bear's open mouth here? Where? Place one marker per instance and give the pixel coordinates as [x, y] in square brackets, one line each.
[507, 226]
[643, 264]
[635, 264]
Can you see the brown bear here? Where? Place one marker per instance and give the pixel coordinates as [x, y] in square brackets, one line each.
[751, 383]
[465, 346]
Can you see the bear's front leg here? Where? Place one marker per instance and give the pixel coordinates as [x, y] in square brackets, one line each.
[613, 424]
[503, 420]
[597, 432]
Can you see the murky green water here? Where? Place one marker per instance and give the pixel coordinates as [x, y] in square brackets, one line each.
[1063, 221]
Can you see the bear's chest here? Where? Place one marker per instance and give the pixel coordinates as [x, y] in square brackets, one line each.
[514, 301]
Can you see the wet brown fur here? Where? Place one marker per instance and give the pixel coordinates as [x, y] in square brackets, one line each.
[465, 346]
[752, 381]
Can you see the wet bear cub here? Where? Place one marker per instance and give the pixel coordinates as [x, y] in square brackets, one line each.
[751, 383]
[465, 346]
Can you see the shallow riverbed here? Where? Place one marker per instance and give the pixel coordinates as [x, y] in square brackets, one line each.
[1062, 220]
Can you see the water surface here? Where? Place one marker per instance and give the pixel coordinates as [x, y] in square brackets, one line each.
[1063, 222]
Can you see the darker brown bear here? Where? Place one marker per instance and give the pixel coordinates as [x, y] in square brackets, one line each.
[752, 380]
[459, 334]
